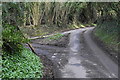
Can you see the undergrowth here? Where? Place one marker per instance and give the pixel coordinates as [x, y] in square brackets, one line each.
[108, 33]
[21, 65]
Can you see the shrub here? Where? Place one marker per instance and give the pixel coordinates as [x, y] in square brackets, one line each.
[12, 38]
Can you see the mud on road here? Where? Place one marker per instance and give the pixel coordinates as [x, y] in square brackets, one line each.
[71, 57]
[53, 53]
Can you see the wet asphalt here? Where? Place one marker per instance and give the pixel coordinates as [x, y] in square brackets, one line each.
[81, 58]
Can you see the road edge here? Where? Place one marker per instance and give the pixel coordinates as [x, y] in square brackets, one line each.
[104, 46]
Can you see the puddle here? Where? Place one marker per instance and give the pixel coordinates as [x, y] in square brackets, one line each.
[53, 56]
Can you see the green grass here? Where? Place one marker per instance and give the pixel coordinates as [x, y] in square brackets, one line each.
[80, 25]
[21, 65]
[108, 34]
[56, 36]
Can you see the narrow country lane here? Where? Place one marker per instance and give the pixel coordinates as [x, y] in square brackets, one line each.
[60, 39]
[82, 58]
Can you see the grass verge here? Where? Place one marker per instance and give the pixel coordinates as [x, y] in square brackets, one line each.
[108, 33]
[56, 36]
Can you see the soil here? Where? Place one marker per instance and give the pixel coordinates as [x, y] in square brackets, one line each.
[62, 42]
[49, 67]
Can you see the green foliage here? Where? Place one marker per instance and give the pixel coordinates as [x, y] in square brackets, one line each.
[92, 24]
[108, 33]
[56, 36]
[12, 38]
[12, 34]
[12, 13]
[23, 65]
[1, 43]
[108, 24]
[0, 64]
